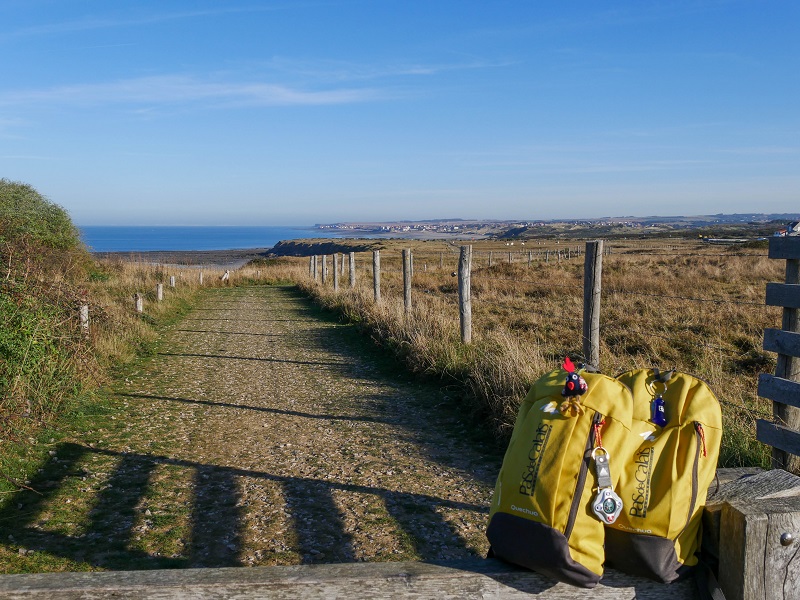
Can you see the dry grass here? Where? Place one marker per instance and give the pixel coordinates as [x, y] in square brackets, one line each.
[117, 332]
[696, 308]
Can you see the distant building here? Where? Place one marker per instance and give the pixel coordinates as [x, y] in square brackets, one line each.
[792, 228]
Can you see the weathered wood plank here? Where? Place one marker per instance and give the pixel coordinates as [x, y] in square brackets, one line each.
[782, 342]
[783, 294]
[779, 389]
[778, 436]
[476, 578]
[784, 247]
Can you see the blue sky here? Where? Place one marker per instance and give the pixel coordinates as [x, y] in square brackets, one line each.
[294, 112]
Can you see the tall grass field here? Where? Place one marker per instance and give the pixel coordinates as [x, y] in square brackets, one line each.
[666, 304]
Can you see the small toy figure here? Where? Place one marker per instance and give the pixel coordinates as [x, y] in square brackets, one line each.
[574, 388]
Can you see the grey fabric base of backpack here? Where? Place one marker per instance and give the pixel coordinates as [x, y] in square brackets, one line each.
[644, 555]
[513, 538]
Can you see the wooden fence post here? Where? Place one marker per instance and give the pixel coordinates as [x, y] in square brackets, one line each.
[376, 275]
[336, 271]
[352, 265]
[490, 258]
[324, 269]
[172, 281]
[138, 302]
[783, 434]
[201, 278]
[341, 265]
[159, 292]
[84, 313]
[441, 260]
[407, 279]
[311, 267]
[464, 293]
[592, 281]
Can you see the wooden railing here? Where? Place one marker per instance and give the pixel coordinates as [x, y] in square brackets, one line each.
[783, 388]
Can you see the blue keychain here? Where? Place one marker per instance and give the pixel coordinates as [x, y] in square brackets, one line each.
[658, 412]
[659, 416]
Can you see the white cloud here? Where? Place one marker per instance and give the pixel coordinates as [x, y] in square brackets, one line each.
[337, 70]
[89, 23]
[180, 89]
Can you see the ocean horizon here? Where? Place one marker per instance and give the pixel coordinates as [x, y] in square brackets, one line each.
[142, 238]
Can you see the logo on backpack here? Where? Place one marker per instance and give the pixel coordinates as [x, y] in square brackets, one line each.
[531, 473]
[642, 468]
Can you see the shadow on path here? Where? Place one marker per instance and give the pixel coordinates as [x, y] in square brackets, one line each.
[216, 518]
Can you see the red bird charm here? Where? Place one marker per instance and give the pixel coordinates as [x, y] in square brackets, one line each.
[574, 387]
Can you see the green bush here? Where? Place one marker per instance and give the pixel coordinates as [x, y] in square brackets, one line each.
[43, 354]
[27, 218]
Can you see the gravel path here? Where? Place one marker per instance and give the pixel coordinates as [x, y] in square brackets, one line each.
[265, 434]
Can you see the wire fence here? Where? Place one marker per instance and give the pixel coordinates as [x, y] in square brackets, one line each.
[538, 294]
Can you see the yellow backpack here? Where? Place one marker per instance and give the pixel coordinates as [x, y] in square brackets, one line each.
[663, 483]
[543, 512]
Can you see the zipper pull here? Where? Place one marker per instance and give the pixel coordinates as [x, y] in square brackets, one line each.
[698, 427]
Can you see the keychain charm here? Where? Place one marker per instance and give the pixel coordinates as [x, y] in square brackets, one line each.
[607, 504]
[658, 413]
[659, 416]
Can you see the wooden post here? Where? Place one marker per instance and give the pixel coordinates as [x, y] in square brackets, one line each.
[311, 267]
[159, 292]
[407, 279]
[510, 260]
[783, 434]
[352, 265]
[316, 268]
[138, 302]
[592, 281]
[324, 269]
[376, 274]
[172, 281]
[441, 260]
[84, 312]
[530, 257]
[201, 278]
[747, 517]
[341, 265]
[490, 258]
[336, 271]
[464, 293]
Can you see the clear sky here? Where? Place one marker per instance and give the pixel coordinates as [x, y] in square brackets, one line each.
[299, 112]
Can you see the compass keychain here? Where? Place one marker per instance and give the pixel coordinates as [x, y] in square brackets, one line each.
[606, 505]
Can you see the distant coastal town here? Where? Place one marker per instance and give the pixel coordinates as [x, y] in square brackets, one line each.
[752, 224]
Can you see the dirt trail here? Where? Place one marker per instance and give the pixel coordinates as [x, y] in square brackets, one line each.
[264, 434]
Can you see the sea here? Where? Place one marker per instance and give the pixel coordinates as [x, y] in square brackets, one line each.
[100, 238]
